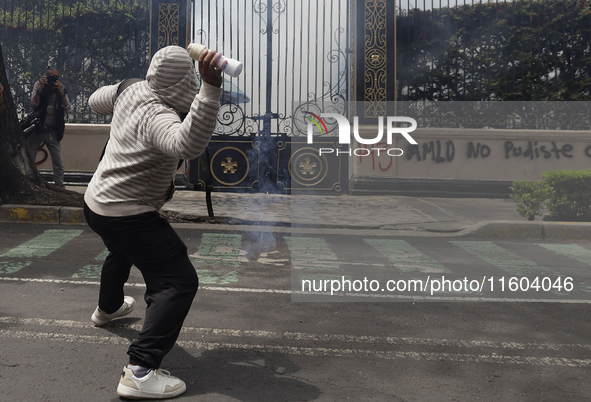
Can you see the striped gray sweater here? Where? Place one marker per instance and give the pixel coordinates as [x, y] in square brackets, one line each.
[147, 136]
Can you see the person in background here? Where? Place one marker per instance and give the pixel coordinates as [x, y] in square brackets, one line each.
[51, 99]
[132, 182]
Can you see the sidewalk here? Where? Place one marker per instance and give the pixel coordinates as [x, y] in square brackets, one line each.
[375, 215]
[359, 212]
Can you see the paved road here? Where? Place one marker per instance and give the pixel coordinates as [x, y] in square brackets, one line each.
[246, 340]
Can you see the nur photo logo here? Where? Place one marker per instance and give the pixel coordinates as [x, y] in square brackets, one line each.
[344, 130]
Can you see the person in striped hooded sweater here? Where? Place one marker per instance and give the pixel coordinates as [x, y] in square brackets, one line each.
[130, 185]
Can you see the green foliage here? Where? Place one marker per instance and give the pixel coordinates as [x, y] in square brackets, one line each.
[570, 195]
[566, 194]
[530, 197]
[520, 50]
[91, 43]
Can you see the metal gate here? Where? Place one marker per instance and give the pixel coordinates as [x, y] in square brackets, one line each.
[296, 58]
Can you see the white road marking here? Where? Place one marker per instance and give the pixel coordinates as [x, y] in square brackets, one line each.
[302, 336]
[315, 352]
[264, 259]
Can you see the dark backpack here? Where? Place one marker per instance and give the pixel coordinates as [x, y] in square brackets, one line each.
[122, 87]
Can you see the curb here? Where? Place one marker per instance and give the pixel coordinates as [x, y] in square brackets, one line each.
[42, 214]
[543, 230]
[530, 230]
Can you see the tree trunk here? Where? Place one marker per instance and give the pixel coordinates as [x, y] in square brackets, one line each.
[20, 181]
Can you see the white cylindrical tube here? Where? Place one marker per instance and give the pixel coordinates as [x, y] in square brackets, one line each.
[233, 68]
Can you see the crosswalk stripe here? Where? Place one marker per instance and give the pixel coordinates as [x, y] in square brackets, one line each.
[311, 254]
[405, 257]
[222, 250]
[102, 256]
[308, 254]
[503, 259]
[43, 245]
[219, 249]
[10, 267]
[93, 271]
[573, 251]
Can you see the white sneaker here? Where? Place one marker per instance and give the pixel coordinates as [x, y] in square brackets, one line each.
[101, 318]
[157, 384]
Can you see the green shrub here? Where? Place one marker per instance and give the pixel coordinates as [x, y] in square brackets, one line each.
[566, 194]
[530, 197]
[569, 197]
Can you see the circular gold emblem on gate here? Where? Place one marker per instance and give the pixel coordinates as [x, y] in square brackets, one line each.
[306, 167]
[376, 58]
[229, 166]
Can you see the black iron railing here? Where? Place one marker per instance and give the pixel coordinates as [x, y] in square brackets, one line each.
[299, 52]
[294, 52]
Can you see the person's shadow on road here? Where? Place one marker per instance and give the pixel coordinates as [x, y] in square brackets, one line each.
[240, 374]
[244, 375]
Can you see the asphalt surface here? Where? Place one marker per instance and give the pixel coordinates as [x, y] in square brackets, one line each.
[246, 339]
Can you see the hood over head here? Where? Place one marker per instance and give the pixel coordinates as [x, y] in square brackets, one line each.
[171, 76]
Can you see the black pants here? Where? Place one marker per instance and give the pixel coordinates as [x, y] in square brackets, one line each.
[151, 244]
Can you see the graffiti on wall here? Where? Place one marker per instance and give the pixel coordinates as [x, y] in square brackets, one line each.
[448, 151]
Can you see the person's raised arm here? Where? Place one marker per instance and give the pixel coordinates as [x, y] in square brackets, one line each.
[103, 100]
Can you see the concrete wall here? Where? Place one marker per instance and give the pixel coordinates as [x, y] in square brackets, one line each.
[82, 146]
[468, 154]
[459, 161]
